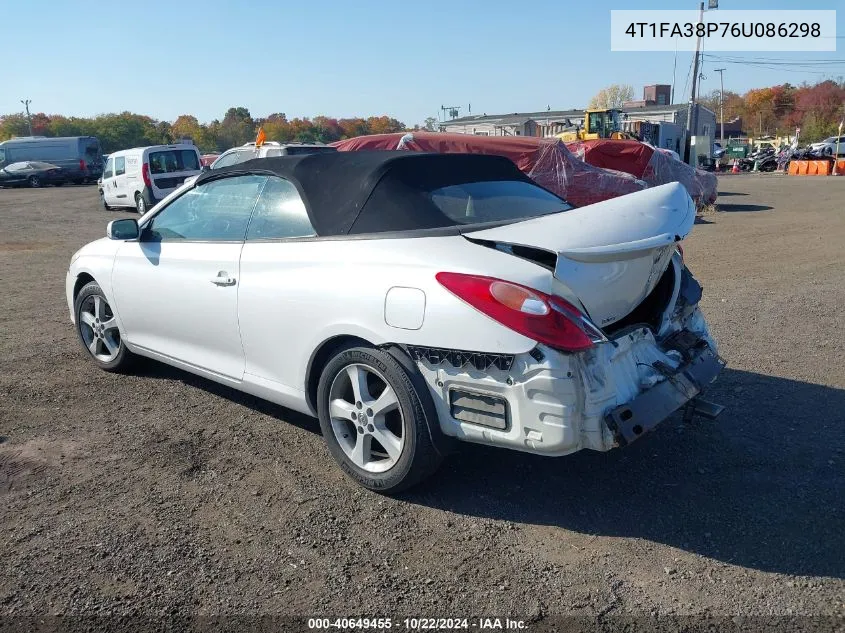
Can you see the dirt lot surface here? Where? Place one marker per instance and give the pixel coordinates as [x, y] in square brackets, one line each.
[164, 493]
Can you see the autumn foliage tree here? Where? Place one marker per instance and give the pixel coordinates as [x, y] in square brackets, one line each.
[817, 109]
[613, 96]
[127, 129]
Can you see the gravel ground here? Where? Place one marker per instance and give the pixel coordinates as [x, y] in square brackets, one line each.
[161, 493]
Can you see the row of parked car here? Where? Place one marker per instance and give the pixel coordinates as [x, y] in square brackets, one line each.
[35, 161]
[143, 176]
[138, 177]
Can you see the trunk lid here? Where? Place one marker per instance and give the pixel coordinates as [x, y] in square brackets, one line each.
[610, 255]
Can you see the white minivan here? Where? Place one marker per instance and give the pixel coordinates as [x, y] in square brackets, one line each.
[143, 176]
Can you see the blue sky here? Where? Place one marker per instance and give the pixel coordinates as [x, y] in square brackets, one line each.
[369, 57]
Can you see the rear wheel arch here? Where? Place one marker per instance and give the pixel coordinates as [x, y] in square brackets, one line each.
[320, 358]
[327, 350]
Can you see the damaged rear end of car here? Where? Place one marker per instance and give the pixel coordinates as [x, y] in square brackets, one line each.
[621, 342]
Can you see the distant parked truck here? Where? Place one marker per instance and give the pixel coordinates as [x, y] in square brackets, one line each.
[80, 157]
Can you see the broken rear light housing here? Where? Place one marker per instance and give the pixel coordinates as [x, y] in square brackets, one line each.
[534, 314]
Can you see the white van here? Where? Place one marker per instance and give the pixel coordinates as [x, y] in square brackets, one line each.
[143, 176]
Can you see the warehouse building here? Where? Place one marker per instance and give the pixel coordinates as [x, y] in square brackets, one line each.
[553, 122]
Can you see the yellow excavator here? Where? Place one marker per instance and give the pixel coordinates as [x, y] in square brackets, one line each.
[599, 123]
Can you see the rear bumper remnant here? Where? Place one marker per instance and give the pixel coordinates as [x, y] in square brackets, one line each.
[632, 419]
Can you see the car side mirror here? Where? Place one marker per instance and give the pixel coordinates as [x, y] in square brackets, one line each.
[126, 229]
[205, 168]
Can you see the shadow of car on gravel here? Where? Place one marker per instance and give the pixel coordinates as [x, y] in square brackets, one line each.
[760, 487]
[152, 369]
[743, 208]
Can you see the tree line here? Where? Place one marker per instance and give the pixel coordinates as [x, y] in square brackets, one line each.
[817, 109]
[775, 111]
[238, 126]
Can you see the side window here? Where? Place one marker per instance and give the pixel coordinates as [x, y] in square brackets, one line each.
[217, 211]
[108, 172]
[280, 213]
[119, 165]
[2, 155]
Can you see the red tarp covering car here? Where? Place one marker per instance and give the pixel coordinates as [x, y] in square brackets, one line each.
[643, 162]
[547, 161]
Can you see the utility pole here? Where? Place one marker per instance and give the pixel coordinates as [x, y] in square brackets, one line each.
[674, 68]
[451, 111]
[28, 117]
[692, 92]
[722, 104]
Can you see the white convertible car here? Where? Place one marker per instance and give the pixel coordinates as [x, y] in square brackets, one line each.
[408, 301]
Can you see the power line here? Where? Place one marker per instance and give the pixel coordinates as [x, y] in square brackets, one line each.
[689, 73]
[774, 61]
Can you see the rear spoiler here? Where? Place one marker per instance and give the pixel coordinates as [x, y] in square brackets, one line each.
[622, 250]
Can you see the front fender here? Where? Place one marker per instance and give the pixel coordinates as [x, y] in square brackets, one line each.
[95, 260]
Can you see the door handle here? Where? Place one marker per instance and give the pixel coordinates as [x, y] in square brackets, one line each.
[223, 279]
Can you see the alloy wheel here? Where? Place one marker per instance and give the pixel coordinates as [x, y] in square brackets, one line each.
[99, 329]
[366, 418]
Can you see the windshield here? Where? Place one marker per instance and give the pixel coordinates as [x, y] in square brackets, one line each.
[496, 201]
[174, 160]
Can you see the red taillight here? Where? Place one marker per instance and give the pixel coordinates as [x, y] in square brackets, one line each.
[534, 314]
[145, 174]
[81, 165]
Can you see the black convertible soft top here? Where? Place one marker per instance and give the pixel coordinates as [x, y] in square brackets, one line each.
[352, 193]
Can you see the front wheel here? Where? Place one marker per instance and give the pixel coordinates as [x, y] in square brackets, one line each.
[140, 203]
[98, 331]
[34, 182]
[374, 421]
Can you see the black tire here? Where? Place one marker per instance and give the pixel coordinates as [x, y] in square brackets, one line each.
[419, 457]
[34, 182]
[103, 200]
[124, 359]
[140, 203]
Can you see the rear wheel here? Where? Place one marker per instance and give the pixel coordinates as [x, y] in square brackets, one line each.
[374, 421]
[140, 203]
[98, 332]
[34, 182]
